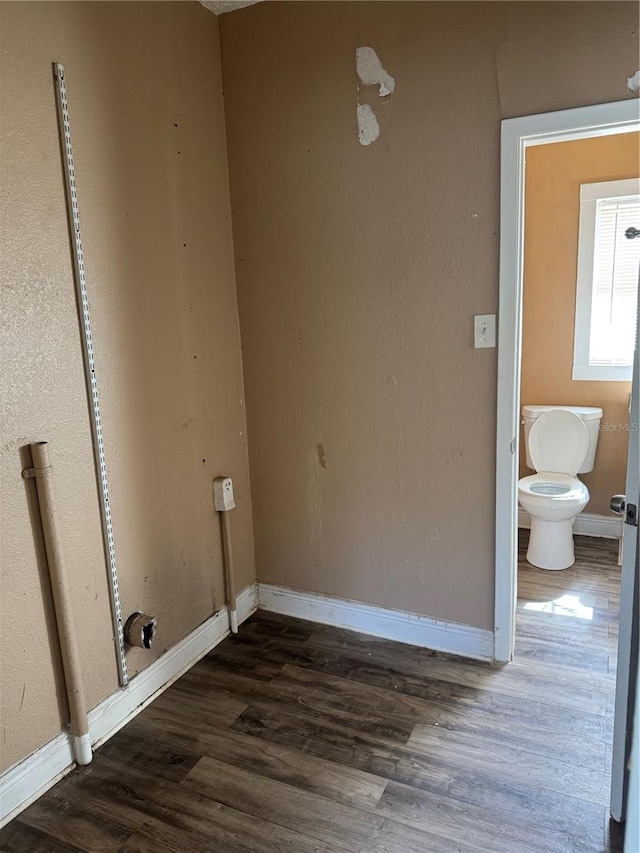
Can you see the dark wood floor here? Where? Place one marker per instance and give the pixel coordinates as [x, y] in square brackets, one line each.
[295, 737]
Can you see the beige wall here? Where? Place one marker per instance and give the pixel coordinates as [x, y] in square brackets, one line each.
[145, 92]
[553, 177]
[371, 417]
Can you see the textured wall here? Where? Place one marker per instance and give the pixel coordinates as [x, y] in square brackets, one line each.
[371, 417]
[144, 85]
[553, 177]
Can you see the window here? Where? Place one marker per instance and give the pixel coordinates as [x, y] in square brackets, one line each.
[607, 285]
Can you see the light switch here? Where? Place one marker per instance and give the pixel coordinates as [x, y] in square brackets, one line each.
[484, 331]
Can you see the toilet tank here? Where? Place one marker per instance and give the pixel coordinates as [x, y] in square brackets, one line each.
[591, 415]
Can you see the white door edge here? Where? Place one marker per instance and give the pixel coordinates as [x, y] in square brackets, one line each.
[628, 625]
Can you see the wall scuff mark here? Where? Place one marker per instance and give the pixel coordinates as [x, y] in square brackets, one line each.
[633, 83]
[322, 457]
[368, 127]
[371, 71]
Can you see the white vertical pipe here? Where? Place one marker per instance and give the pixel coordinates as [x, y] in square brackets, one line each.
[41, 472]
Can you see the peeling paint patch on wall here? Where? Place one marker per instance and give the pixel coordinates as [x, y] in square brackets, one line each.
[371, 71]
[368, 127]
[633, 83]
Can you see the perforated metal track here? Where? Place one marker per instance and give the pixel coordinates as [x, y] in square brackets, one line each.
[89, 363]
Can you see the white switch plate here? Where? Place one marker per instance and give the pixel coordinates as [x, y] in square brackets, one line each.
[484, 331]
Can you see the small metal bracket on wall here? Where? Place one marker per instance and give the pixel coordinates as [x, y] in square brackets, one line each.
[89, 363]
[32, 473]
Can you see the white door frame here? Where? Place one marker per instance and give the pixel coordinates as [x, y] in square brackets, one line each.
[517, 135]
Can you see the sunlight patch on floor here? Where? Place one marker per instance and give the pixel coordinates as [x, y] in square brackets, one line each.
[566, 605]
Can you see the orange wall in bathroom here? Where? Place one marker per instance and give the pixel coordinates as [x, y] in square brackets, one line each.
[553, 177]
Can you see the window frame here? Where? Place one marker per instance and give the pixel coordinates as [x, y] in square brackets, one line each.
[590, 194]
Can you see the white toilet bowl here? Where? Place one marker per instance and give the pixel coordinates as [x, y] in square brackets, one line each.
[553, 501]
[558, 443]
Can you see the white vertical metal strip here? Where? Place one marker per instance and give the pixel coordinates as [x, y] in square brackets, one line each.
[89, 362]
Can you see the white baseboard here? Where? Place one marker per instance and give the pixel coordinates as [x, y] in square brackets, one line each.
[586, 524]
[397, 625]
[25, 782]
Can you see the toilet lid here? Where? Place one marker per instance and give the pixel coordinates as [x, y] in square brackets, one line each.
[558, 442]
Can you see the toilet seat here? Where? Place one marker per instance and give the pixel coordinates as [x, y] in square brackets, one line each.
[558, 442]
[548, 486]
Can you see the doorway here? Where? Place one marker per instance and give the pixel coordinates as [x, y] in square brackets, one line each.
[519, 135]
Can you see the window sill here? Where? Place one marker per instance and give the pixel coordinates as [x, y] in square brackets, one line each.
[589, 373]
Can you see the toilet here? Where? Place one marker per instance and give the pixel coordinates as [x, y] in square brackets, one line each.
[561, 443]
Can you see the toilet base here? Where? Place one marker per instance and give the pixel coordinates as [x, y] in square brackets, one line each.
[551, 544]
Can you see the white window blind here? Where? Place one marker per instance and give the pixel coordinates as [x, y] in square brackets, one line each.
[615, 283]
[607, 281]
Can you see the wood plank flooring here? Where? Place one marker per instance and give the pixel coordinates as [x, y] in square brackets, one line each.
[297, 737]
